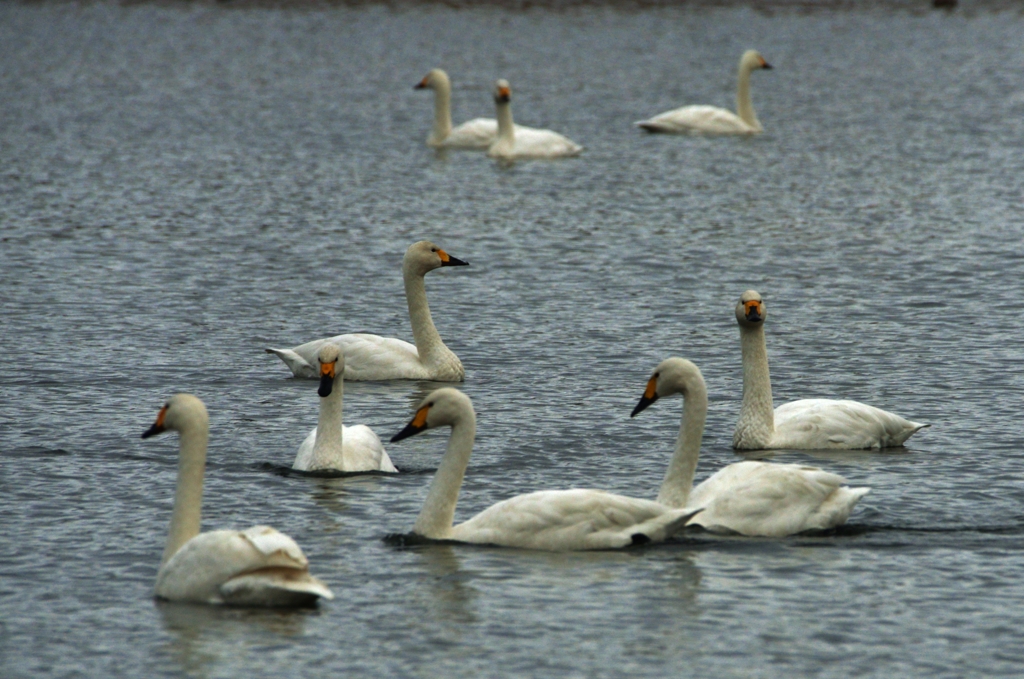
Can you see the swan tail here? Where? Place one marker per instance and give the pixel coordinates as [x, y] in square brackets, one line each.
[679, 522]
[276, 587]
[298, 365]
[836, 508]
[648, 126]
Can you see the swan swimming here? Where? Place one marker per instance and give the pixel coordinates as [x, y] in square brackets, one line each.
[815, 423]
[749, 498]
[254, 567]
[372, 357]
[477, 134]
[514, 142]
[553, 520]
[331, 445]
[711, 119]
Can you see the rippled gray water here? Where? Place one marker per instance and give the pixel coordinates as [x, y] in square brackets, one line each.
[183, 185]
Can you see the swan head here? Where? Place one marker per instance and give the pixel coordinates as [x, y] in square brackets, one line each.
[442, 407]
[750, 310]
[332, 364]
[672, 376]
[502, 92]
[435, 79]
[752, 60]
[180, 412]
[424, 256]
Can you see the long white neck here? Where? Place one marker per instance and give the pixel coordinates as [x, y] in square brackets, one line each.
[744, 107]
[188, 497]
[435, 519]
[756, 425]
[428, 341]
[675, 489]
[328, 449]
[442, 111]
[506, 128]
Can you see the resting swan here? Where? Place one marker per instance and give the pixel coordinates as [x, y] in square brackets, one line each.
[477, 134]
[254, 567]
[515, 142]
[815, 423]
[553, 520]
[749, 498]
[371, 357]
[331, 445]
[711, 119]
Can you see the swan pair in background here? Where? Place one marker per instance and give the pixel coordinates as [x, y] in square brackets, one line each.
[711, 119]
[501, 138]
[805, 424]
[371, 357]
[255, 567]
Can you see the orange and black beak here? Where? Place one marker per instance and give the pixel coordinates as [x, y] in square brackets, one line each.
[158, 426]
[765, 64]
[448, 260]
[421, 84]
[326, 379]
[752, 311]
[503, 95]
[418, 424]
[649, 397]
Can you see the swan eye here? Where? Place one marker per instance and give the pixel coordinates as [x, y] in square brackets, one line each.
[430, 405]
[433, 249]
[656, 375]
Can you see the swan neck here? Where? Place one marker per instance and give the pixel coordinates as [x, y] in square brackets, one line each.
[188, 497]
[435, 519]
[442, 112]
[757, 414]
[506, 128]
[675, 489]
[744, 106]
[425, 336]
[328, 449]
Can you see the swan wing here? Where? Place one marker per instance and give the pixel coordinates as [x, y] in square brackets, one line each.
[478, 133]
[534, 143]
[848, 425]
[198, 571]
[363, 450]
[305, 455]
[697, 120]
[567, 520]
[773, 500]
[367, 357]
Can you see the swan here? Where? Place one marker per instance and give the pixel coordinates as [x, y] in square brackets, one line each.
[254, 567]
[514, 142]
[331, 445]
[371, 357]
[477, 134]
[553, 520]
[749, 498]
[711, 119]
[815, 423]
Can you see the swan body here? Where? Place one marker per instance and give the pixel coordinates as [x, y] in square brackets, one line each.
[331, 445]
[806, 424]
[749, 498]
[552, 520]
[372, 357]
[711, 119]
[255, 567]
[477, 134]
[515, 143]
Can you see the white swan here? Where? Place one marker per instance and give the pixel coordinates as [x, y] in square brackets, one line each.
[810, 423]
[371, 357]
[255, 567]
[331, 445]
[711, 119]
[554, 520]
[515, 142]
[477, 134]
[749, 498]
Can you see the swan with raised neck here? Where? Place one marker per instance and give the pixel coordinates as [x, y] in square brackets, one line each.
[255, 567]
[515, 142]
[712, 119]
[748, 498]
[554, 520]
[372, 357]
[807, 423]
[332, 446]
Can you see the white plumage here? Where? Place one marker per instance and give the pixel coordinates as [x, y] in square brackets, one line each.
[515, 143]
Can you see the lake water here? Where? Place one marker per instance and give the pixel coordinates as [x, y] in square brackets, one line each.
[182, 185]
